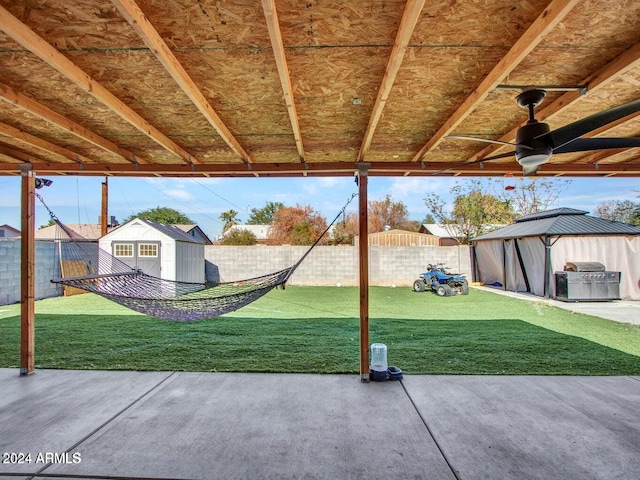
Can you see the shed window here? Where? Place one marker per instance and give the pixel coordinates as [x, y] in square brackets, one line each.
[124, 250]
[148, 250]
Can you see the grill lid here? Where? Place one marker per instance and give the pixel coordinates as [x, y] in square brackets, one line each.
[584, 267]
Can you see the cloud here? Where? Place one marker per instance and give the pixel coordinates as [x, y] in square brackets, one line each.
[176, 189]
[405, 187]
[328, 182]
[179, 194]
[324, 184]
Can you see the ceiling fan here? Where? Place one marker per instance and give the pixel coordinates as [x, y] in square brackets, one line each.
[536, 142]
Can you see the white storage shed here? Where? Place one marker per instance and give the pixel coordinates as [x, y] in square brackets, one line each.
[160, 250]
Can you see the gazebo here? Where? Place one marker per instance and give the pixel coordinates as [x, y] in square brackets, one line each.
[523, 256]
[273, 88]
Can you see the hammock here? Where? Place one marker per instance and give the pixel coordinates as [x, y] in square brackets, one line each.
[111, 278]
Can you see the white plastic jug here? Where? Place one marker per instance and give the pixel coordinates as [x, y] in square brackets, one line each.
[379, 357]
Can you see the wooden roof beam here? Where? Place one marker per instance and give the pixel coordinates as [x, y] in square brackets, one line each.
[140, 23]
[271, 16]
[44, 145]
[17, 156]
[612, 70]
[30, 40]
[408, 23]
[7, 94]
[546, 21]
[629, 168]
[598, 156]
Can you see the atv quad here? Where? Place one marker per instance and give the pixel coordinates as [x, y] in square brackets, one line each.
[442, 283]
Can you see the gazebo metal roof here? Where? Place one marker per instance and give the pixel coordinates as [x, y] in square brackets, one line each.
[561, 222]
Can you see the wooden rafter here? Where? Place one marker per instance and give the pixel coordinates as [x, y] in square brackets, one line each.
[30, 40]
[17, 99]
[343, 49]
[546, 21]
[596, 157]
[612, 70]
[8, 159]
[140, 23]
[44, 145]
[271, 16]
[17, 156]
[407, 25]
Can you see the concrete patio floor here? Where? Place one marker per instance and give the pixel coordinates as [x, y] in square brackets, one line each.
[120, 425]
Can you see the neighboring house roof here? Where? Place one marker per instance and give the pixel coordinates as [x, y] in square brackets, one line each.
[8, 228]
[54, 232]
[172, 231]
[443, 231]
[196, 232]
[561, 221]
[260, 231]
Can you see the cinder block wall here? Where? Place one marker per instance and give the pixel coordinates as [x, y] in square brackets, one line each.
[46, 269]
[331, 265]
[388, 266]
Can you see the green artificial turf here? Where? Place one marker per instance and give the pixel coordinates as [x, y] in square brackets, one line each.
[316, 330]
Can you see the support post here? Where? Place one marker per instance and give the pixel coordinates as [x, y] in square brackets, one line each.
[104, 218]
[27, 272]
[547, 266]
[363, 215]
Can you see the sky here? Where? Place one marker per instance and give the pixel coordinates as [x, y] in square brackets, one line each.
[78, 199]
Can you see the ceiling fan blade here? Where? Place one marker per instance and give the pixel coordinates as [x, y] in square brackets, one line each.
[586, 144]
[475, 162]
[486, 140]
[495, 157]
[563, 135]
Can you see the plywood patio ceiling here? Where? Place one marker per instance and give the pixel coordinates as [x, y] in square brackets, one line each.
[285, 87]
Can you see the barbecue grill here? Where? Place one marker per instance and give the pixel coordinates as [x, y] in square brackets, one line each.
[587, 282]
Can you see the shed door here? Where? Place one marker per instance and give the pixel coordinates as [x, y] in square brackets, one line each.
[148, 258]
[138, 254]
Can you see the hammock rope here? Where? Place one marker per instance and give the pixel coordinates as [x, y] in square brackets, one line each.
[99, 272]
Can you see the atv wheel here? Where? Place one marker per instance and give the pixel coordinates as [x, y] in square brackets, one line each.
[443, 290]
[418, 286]
[464, 287]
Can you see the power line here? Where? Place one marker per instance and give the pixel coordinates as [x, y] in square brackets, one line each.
[200, 210]
[221, 197]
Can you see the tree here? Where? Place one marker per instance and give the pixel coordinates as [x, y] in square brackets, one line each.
[428, 219]
[264, 215]
[48, 224]
[229, 219]
[297, 225]
[165, 215]
[531, 194]
[381, 213]
[413, 226]
[239, 236]
[345, 231]
[387, 213]
[619, 210]
[474, 212]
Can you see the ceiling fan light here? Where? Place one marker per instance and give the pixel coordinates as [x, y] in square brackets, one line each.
[534, 159]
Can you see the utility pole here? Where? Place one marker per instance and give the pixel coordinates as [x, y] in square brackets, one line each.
[104, 216]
